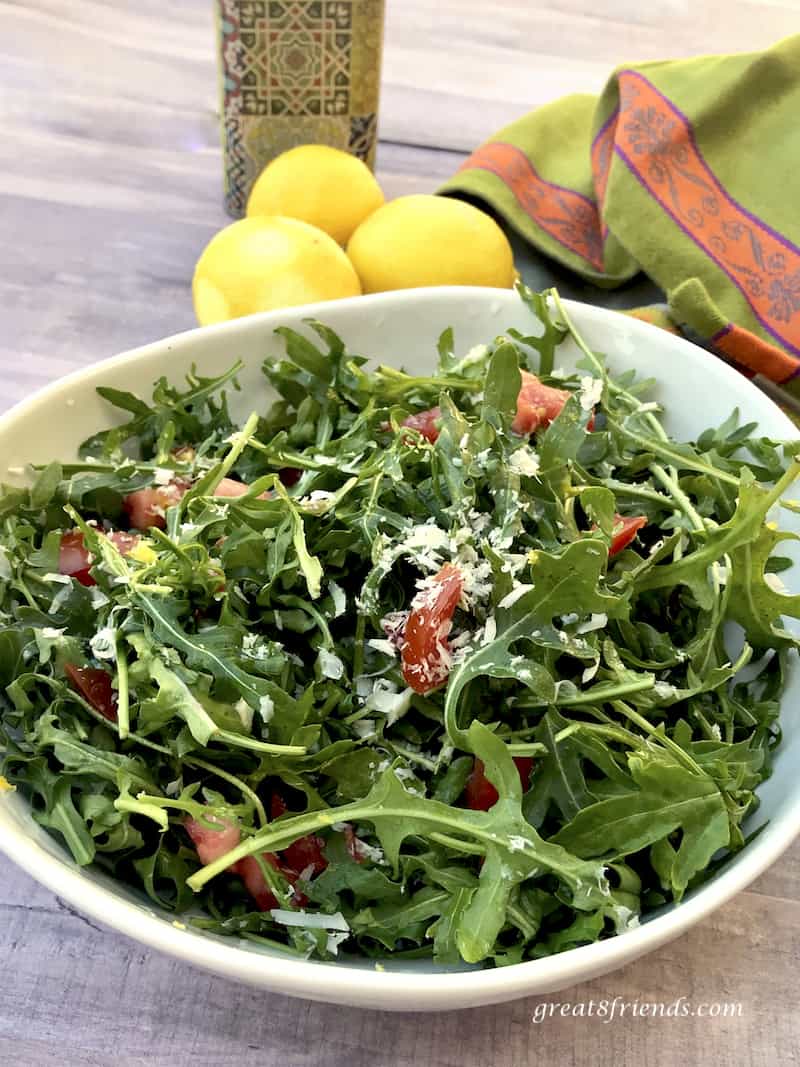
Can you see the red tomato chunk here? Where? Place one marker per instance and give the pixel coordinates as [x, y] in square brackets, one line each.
[75, 560]
[426, 654]
[538, 404]
[626, 527]
[481, 795]
[303, 858]
[95, 687]
[147, 507]
[425, 422]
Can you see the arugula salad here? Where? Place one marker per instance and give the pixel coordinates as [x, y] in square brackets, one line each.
[405, 666]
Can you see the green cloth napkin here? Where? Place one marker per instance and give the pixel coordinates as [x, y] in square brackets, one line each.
[685, 170]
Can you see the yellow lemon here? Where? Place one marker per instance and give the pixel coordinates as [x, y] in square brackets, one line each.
[269, 262]
[318, 184]
[430, 240]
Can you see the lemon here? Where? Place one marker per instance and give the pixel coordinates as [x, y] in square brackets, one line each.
[430, 240]
[320, 185]
[268, 262]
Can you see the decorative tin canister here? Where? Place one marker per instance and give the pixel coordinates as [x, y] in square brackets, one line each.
[295, 72]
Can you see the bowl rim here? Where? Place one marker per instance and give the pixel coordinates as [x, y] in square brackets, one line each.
[385, 988]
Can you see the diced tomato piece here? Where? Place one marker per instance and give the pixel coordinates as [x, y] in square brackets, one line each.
[306, 851]
[255, 882]
[425, 423]
[146, 507]
[74, 558]
[94, 685]
[626, 527]
[230, 487]
[123, 542]
[302, 857]
[426, 653]
[213, 843]
[481, 795]
[538, 404]
[289, 476]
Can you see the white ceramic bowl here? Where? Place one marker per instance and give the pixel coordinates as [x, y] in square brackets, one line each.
[399, 328]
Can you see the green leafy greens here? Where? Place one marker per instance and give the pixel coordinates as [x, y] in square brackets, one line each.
[253, 644]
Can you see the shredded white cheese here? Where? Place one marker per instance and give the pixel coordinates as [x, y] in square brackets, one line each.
[334, 940]
[245, 713]
[591, 392]
[664, 689]
[516, 594]
[524, 461]
[385, 699]
[104, 644]
[266, 708]
[310, 921]
[383, 644]
[163, 475]
[339, 599]
[590, 672]
[330, 665]
[59, 579]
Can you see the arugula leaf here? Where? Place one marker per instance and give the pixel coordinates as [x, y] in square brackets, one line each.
[755, 602]
[562, 584]
[668, 798]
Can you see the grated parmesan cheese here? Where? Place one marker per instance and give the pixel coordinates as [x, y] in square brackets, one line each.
[339, 599]
[330, 665]
[245, 713]
[591, 392]
[525, 462]
[311, 921]
[104, 644]
[385, 699]
[163, 475]
[516, 594]
[590, 672]
[383, 644]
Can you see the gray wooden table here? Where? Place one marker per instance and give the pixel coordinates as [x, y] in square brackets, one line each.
[108, 195]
